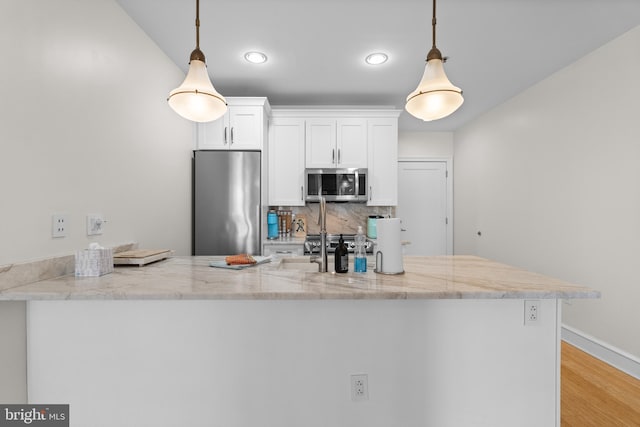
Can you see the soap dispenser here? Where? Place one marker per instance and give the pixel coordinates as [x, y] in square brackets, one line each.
[341, 257]
[360, 255]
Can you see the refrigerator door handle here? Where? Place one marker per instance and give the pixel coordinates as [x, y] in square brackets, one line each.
[259, 223]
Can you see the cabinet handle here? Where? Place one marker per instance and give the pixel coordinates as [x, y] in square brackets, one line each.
[232, 134]
[370, 193]
[284, 252]
[333, 155]
[301, 192]
[338, 156]
[225, 135]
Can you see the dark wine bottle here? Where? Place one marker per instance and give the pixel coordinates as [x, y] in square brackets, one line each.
[341, 259]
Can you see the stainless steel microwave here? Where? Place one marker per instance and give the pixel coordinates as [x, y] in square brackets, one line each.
[336, 185]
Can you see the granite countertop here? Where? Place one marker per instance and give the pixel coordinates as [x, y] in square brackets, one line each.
[443, 277]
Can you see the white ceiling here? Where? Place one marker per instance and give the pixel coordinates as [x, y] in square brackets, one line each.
[316, 48]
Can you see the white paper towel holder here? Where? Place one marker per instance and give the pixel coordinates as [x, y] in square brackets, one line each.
[375, 270]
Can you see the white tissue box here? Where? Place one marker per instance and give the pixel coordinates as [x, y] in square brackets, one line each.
[94, 262]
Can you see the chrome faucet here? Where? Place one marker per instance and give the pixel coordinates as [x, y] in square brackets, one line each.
[322, 222]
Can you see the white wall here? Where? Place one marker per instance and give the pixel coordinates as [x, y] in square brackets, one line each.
[425, 144]
[85, 128]
[551, 178]
[13, 352]
[440, 363]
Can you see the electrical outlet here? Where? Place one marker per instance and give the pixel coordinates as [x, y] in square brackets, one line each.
[95, 224]
[59, 225]
[531, 312]
[359, 387]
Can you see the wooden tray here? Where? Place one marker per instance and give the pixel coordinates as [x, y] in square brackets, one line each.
[140, 257]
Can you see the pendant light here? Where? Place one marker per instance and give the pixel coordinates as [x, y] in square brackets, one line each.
[435, 97]
[196, 99]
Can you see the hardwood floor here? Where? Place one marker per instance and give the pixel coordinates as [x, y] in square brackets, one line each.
[595, 394]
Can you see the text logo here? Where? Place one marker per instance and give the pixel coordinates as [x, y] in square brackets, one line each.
[34, 415]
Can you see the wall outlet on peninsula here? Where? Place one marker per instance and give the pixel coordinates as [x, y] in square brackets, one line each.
[531, 312]
[359, 387]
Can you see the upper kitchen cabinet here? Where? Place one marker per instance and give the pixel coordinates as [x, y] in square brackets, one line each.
[336, 143]
[383, 162]
[243, 127]
[286, 161]
[313, 138]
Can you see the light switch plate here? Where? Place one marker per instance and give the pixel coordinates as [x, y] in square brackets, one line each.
[95, 224]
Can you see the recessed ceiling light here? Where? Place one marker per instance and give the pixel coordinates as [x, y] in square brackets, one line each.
[255, 57]
[376, 58]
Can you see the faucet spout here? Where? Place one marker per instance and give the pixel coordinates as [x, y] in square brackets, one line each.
[322, 215]
[322, 222]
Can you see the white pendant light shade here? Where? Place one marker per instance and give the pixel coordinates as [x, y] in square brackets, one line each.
[435, 97]
[196, 99]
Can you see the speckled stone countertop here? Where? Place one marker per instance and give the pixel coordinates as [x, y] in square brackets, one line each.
[191, 278]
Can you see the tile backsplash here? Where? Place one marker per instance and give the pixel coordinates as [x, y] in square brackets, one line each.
[341, 217]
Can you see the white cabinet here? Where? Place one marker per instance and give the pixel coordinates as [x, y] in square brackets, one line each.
[383, 162]
[286, 162]
[332, 138]
[320, 143]
[336, 143]
[243, 126]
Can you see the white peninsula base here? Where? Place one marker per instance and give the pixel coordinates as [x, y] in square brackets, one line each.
[287, 363]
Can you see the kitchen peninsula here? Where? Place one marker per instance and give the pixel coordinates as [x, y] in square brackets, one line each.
[180, 343]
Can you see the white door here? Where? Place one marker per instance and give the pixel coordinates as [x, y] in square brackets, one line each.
[321, 143]
[382, 164]
[286, 162]
[351, 143]
[245, 128]
[423, 207]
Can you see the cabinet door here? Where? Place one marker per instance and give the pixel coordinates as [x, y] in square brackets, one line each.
[212, 135]
[286, 162]
[351, 143]
[245, 128]
[383, 162]
[321, 143]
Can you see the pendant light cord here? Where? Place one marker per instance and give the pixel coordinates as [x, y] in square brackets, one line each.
[434, 53]
[197, 53]
[433, 25]
[198, 23]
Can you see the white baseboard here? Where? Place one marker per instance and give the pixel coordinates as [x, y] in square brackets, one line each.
[615, 357]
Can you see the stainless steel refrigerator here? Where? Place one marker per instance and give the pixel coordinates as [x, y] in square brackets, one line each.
[226, 202]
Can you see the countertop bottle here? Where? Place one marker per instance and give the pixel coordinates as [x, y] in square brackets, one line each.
[360, 255]
[272, 225]
[341, 257]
